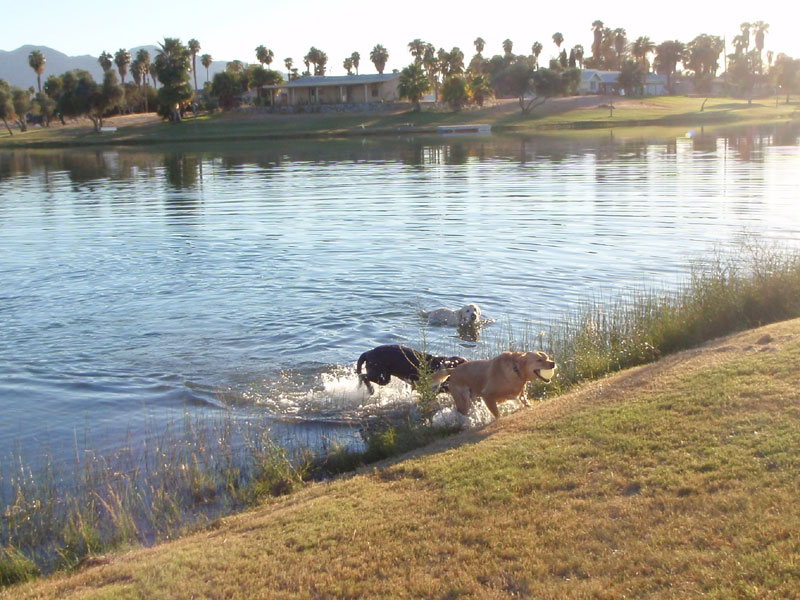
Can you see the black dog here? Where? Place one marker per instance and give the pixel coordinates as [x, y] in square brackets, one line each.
[402, 362]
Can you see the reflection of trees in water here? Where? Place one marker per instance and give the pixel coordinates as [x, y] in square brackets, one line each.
[181, 170]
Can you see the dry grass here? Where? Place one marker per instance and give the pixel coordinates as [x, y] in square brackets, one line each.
[673, 480]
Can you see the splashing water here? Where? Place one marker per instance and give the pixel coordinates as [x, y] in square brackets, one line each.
[335, 396]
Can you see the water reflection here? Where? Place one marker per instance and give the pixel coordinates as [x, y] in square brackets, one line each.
[183, 168]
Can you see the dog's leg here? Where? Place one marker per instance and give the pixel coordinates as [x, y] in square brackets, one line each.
[362, 380]
[491, 404]
[462, 397]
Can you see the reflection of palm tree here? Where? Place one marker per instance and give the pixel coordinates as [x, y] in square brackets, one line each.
[37, 61]
[379, 55]
[122, 58]
[206, 61]
[194, 48]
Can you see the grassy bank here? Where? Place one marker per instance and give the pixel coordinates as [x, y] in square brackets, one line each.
[189, 480]
[673, 480]
[558, 114]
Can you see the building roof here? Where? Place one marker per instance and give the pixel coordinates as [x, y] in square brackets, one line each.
[604, 76]
[333, 80]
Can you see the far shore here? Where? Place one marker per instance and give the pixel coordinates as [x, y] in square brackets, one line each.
[579, 113]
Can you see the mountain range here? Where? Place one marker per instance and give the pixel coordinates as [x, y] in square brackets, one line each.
[14, 67]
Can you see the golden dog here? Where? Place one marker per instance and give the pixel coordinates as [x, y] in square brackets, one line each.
[495, 380]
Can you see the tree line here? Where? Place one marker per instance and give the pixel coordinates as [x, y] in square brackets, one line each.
[444, 72]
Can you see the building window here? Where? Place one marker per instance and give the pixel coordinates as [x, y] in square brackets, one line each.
[375, 89]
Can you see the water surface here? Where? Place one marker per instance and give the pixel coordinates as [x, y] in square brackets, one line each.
[251, 276]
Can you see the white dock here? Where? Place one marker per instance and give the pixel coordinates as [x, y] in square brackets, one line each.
[464, 129]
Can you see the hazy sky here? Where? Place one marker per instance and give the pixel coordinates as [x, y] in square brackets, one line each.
[230, 31]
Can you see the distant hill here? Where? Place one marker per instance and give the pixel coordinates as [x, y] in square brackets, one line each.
[14, 67]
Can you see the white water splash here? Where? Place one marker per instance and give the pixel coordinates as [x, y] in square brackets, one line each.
[334, 396]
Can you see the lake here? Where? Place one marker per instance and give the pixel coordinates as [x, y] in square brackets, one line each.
[247, 278]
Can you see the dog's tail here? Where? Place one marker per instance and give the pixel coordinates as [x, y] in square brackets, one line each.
[441, 376]
[360, 362]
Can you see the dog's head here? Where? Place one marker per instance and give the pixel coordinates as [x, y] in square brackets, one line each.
[536, 365]
[469, 315]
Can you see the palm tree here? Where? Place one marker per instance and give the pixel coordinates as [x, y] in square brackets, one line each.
[558, 39]
[745, 29]
[206, 61]
[122, 58]
[536, 50]
[264, 55]
[761, 29]
[348, 65]
[452, 63]
[640, 49]
[668, 55]
[37, 61]
[413, 84]
[106, 61]
[417, 50]
[356, 60]
[597, 43]
[143, 59]
[318, 58]
[194, 48]
[620, 41]
[431, 63]
[479, 89]
[479, 45]
[578, 50]
[172, 63]
[379, 55]
[235, 66]
[508, 46]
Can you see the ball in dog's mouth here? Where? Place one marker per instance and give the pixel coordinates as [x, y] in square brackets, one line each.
[546, 374]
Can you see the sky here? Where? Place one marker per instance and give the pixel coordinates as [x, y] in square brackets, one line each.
[289, 29]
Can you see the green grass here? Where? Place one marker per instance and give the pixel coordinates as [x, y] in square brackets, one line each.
[670, 111]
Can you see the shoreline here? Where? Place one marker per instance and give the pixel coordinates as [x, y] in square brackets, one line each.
[561, 115]
[553, 500]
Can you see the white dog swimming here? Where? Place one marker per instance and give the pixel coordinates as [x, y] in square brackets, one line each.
[466, 316]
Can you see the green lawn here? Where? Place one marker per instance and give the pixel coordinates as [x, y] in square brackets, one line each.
[557, 114]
